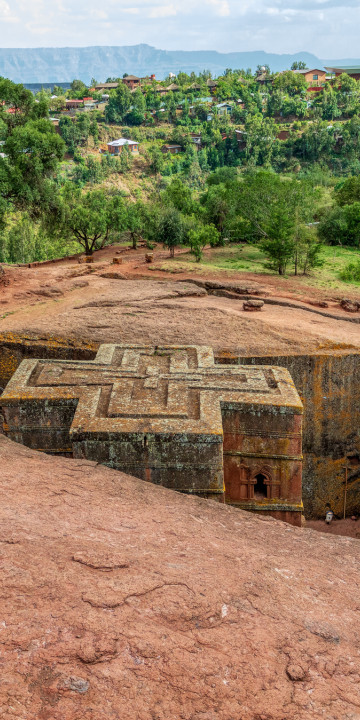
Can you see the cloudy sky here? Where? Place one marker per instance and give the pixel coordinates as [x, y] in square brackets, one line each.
[328, 28]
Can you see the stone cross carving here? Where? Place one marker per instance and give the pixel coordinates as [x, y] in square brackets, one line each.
[163, 414]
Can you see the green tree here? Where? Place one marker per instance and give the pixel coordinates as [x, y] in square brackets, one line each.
[219, 206]
[59, 91]
[278, 243]
[200, 237]
[89, 219]
[94, 129]
[126, 159]
[348, 192]
[170, 231]
[83, 127]
[273, 210]
[307, 250]
[260, 139]
[33, 151]
[20, 100]
[156, 160]
[20, 241]
[299, 65]
[346, 83]
[315, 143]
[42, 104]
[78, 89]
[135, 223]
[180, 196]
[69, 133]
[291, 82]
[329, 103]
[341, 226]
[57, 104]
[119, 104]
[136, 114]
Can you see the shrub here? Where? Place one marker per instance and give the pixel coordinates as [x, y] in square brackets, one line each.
[351, 272]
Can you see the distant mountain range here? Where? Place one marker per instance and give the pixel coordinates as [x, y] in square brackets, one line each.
[50, 65]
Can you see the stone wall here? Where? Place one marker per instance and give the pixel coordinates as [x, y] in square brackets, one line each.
[168, 415]
[329, 387]
[15, 348]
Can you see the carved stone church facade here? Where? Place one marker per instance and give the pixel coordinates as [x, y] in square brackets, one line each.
[172, 416]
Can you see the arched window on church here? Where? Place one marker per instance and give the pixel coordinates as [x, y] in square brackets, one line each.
[267, 484]
[261, 487]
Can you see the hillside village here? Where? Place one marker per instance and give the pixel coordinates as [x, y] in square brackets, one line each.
[263, 107]
[291, 99]
[177, 151]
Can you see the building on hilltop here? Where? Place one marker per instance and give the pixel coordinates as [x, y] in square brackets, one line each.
[262, 77]
[196, 139]
[352, 70]
[172, 149]
[106, 86]
[315, 77]
[223, 109]
[131, 81]
[161, 89]
[115, 147]
[73, 104]
[212, 85]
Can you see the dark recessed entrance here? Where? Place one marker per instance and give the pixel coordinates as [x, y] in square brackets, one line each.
[260, 489]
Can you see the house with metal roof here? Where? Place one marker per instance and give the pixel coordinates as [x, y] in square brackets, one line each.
[172, 149]
[352, 70]
[224, 108]
[115, 147]
[131, 81]
[106, 86]
[315, 76]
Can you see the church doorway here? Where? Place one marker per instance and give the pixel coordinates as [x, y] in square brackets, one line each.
[260, 487]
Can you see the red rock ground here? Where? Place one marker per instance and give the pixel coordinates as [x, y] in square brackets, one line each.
[348, 527]
[125, 601]
[74, 300]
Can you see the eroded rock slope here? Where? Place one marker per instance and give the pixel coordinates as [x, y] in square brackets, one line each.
[121, 600]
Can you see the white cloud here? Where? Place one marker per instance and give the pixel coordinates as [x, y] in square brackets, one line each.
[98, 14]
[327, 28]
[6, 14]
[222, 7]
[162, 11]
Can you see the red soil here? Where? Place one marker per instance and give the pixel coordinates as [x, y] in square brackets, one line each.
[162, 307]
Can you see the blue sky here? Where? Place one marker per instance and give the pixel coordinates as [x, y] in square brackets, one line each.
[328, 28]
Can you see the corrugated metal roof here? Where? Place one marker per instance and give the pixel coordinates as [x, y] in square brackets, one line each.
[122, 141]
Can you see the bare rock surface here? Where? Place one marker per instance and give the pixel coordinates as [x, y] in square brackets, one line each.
[78, 301]
[157, 311]
[113, 275]
[235, 288]
[125, 601]
[350, 305]
[253, 305]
